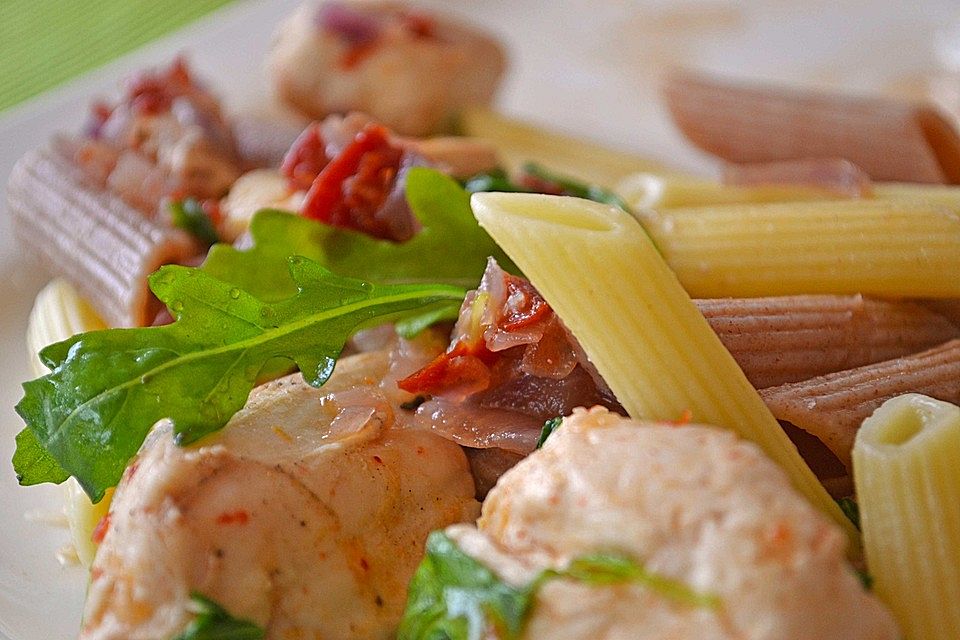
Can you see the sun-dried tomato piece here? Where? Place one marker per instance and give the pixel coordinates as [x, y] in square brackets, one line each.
[152, 93]
[523, 305]
[353, 186]
[305, 159]
[466, 367]
[419, 24]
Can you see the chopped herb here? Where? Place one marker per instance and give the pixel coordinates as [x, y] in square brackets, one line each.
[498, 180]
[213, 622]
[493, 180]
[572, 187]
[865, 578]
[851, 510]
[549, 427]
[106, 389]
[454, 597]
[412, 405]
[190, 216]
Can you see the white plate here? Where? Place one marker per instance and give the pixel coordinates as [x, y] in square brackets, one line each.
[588, 67]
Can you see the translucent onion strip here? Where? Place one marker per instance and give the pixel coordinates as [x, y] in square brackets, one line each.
[791, 338]
[889, 140]
[605, 279]
[90, 236]
[882, 248]
[906, 466]
[832, 407]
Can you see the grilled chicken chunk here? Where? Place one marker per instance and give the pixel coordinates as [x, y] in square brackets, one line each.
[697, 507]
[307, 515]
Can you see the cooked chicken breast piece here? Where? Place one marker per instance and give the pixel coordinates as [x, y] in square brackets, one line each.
[694, 505]
[408, 69]
[307, 514]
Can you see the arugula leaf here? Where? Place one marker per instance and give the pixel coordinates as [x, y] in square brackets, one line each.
[549, 427]
[850, 509]
[108, 388]
[603, 569]
[450, 248]
[493, 180]
[452, 596]
[189, 215]
[32, 462]
[213, 622]
[498, 180]
[571, 187]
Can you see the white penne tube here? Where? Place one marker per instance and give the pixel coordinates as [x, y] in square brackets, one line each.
[906, 466]
[58, 313]
[651, 190]
[881, 248]
[658, 354]
[947, 196]
[791, 338]
[519, 142]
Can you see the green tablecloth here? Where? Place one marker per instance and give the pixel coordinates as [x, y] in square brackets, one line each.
[45, 42]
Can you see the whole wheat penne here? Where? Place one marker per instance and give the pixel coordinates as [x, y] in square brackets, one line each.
[519, 142]
[90, 236]
[738, 122]
[949, 308]
[833, 406]
[786, 339]
[907, 472]
[882, 248]
[660, 357]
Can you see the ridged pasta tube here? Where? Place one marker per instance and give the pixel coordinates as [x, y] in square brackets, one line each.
[519, 142]
[651, 190]
[791, 338]
[906, 464]
[871, 247]
[603, 276]
[58, 313]
[833, 406]
[88, 234]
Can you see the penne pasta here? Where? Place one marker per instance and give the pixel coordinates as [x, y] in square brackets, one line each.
[792, 338]
[651, 190]
[832, 407]
[889, 140]
[59, 313]
[107, 247]
[519, 142]
[836, 177]
[660, 357]
[907, 472]
[872, 247]
[948, 196]
[949, 308]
